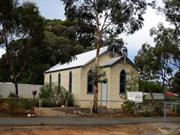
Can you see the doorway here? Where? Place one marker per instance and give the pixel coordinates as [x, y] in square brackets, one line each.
[104, 94]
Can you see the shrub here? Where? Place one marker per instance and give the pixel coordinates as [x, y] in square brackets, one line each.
[146, 114]
[47, 103]
[129, 107]
[55, 96]
[19, 104]
[45, 92]
[12, 95]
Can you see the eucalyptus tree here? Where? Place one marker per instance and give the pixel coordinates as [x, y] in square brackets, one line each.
[176, 83]
[160, 61]
[171, 10]
[166, 50]
[106, 17]
[21, 29]
[147, 63]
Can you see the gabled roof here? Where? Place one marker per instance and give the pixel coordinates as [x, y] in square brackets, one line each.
[79, 60]
[111, 62]
[118, 59]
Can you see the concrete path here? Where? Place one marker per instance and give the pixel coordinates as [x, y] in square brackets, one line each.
[78, 121]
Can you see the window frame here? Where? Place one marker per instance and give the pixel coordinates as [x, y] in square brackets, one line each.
[59, 81]
[70, 81]
[88, 92]
[122, 82]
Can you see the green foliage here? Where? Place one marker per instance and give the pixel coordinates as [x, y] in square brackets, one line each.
[176, 83]
[146, 114]
[116, 45]
[19, 105]
[100, 74]
[147, 63]
[55, 96]
[19, 34]
[129, 107]
[150, 86]
[45, 92]
[47, 103]
[116, 17]
[160, 61]
[132, 81]
[172, 13]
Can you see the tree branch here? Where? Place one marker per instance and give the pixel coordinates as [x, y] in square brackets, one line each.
[104, 22]
[105, 27]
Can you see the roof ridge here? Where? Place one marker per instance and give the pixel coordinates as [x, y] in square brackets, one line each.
[80, 60]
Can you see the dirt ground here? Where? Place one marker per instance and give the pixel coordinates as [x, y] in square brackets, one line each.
[140, 129]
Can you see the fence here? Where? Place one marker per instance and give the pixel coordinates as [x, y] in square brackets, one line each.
[64, 107]
[171, 108]
[25, 90]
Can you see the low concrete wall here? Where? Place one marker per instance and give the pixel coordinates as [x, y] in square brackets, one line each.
[25, 90]
[156, 96]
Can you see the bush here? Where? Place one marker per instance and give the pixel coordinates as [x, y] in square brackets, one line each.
[47, 103]
[129, 107]
[146, 114]
[19, 105]
[45, 92]
[55, 96]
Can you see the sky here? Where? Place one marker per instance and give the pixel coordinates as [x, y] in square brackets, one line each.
[54, 9]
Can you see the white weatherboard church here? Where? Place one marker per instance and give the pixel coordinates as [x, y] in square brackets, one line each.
[75, 77]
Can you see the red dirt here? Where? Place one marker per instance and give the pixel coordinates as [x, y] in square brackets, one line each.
[142, 129]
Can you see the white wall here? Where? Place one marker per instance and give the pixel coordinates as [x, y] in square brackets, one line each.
[25, 90]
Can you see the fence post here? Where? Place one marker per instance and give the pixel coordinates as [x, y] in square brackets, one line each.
[40, 103]
[137, 109]
[66, 107]
[91, 108]
[175, 108]
[165, 115]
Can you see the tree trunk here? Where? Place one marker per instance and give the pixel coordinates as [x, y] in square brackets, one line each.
[16, 88]
[95, 101]
[96, 78]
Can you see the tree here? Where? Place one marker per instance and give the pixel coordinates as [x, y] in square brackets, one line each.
[116, 45]
[172, 13]
[58, 45]
[176, 83]
[147, 63]
[166, 51]
[61, 42]
[161, 61]
[18, 35]
[132, 81]
[151, 86]
[106, 17]
[148, 66]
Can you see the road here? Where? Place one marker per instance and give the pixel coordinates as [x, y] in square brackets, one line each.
[62, 121]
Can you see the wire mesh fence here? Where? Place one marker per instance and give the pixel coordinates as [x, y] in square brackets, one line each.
[171, 108]
[65, 107]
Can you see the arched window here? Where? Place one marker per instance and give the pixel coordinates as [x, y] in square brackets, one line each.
[90, 82]
[70, 81]
[59, 82]
[122, 82]
[50, 81]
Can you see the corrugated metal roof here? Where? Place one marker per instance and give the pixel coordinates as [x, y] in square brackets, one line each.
[79, 60]
[111, 62]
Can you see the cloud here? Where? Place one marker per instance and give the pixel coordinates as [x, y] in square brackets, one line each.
[2, 51]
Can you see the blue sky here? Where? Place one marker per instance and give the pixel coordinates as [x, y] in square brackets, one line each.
[54, 9]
